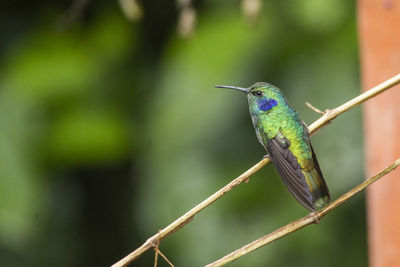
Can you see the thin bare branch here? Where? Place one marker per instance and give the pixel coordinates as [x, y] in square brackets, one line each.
[165, 258]
[188, 216]
[313, 217]
[156, 254]
[331, 114]
[315, 109]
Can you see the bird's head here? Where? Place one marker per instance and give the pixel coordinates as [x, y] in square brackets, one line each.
[263, 97]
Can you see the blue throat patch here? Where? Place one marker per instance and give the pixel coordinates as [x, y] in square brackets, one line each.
[266, 104]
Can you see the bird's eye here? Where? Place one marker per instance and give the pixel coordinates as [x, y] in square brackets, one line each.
[257, 93]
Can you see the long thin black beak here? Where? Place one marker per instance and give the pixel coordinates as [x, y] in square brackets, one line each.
[234, 88]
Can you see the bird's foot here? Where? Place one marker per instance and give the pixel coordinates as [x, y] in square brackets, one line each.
[315, 217]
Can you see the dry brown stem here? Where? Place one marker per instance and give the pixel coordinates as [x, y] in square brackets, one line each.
[315, 109]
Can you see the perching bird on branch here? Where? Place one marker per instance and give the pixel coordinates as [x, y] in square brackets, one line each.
[286, 138]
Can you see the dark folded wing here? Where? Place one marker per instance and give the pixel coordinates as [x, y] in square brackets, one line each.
[290, 171]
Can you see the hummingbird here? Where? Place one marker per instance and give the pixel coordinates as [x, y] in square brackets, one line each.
[285, 136]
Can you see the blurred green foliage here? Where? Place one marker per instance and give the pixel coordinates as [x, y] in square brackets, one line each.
[110, 130]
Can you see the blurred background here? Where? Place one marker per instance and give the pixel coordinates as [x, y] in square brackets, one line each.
[111, 128]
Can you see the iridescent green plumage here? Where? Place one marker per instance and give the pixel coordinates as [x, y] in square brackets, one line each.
[286, 138]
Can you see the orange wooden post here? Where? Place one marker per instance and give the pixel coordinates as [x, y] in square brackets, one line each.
[379, 33]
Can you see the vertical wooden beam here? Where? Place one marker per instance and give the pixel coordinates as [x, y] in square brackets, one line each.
[379, 37]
